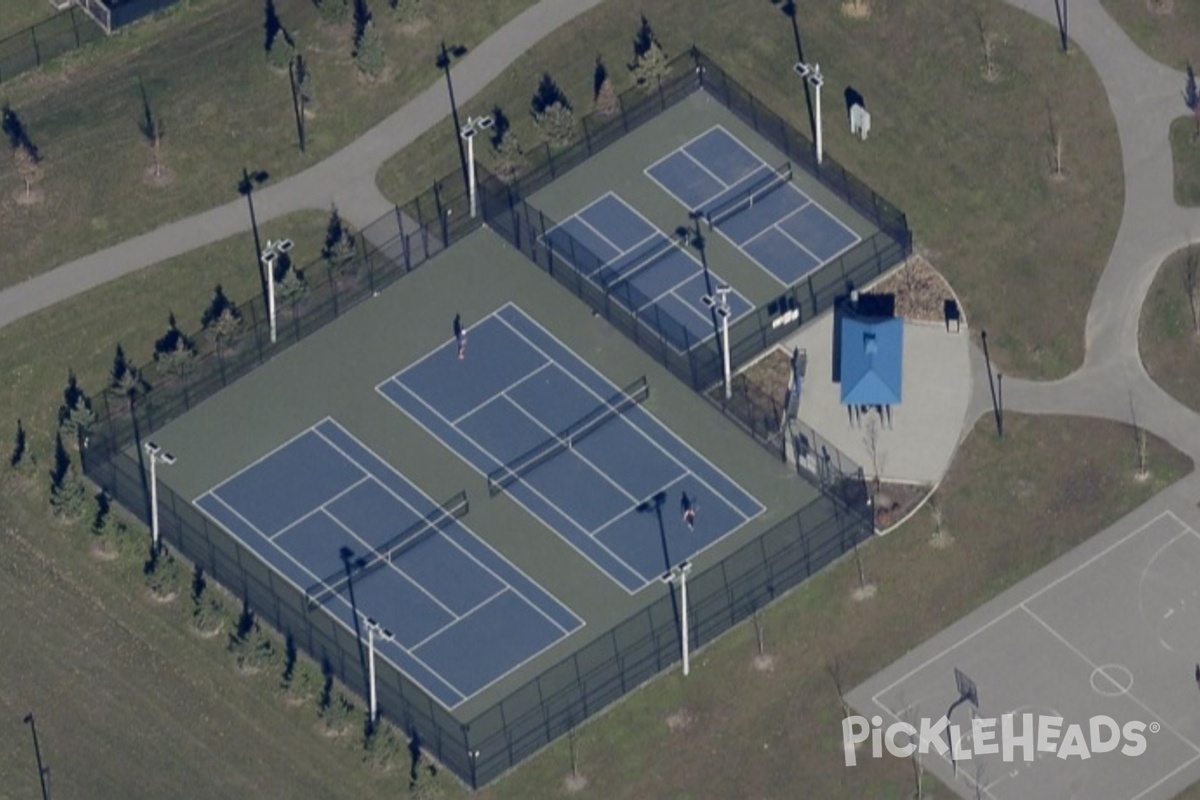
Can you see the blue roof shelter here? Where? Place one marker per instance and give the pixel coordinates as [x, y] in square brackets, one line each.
[872, 360]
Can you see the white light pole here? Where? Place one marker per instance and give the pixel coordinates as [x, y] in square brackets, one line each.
[678, 575]
[270, 254]
[813, 76]
[721, 301]
[157, 455]
[375, 629]
[474, 125]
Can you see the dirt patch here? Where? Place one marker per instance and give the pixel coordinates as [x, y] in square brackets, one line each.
[856, 9]
[680, 720]
[1160, 7]
[895, 501]
[32, 197]
[161, 598]
[102, 550]
[920, 290]
[162, 177]
[575, 783]
[764, 662]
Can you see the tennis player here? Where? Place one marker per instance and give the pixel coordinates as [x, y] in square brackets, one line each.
[689, 511]
[460, 336]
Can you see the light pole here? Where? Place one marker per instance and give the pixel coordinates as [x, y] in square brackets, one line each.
[157, 456]
[812, 74]
[721, 302]
[678, 575]
[375, 629]
[269, 256]
[474, 125]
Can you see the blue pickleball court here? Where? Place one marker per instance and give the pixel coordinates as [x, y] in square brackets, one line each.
[753, 205]
[322, 505]
[615, 495]
[643, 270]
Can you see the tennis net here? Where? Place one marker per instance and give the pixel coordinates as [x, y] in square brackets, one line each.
[438, 519]
[501, 478]
[746, 198]
[627, 266]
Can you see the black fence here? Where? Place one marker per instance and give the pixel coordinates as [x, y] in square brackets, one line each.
[48, 39]
[639, 648]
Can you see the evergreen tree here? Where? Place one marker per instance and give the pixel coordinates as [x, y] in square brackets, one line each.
[649, 65]
[368, 51]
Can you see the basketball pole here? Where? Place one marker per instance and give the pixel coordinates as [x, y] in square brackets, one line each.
[474, 125]
[812, 74]
[678, 575]
[374, 629]
[157, 455]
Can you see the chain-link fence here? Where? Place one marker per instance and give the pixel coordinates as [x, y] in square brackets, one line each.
[48, 39]
[632, 652]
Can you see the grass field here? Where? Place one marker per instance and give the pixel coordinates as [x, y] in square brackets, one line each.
[1166, 30]
[968, 160]
[20, 14]
[1185, 152]
[84, 110]
[1169, 344]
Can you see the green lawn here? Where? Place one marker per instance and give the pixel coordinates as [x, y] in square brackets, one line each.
[19, 15]
[1166, 30]
[969, 160]
[1185, 152]
[221, 107]
[1168, 338]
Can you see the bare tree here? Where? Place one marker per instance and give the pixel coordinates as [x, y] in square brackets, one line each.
[989, 39]
[1056, 144]
[871, 440]
[152, 131]
[834, 667]
[1139, 438]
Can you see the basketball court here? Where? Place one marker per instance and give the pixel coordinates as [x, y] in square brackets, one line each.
[1116, 635]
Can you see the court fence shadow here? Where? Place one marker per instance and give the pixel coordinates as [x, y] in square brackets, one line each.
[482, 748]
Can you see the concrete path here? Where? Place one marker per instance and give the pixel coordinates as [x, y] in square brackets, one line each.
[1112, 383]
[346, 178]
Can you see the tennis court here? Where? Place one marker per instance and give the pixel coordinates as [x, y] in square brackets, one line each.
[360, 539]
[643, 269]
[575, 451]
[755, 206]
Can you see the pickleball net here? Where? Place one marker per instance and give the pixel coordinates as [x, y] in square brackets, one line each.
[745, 198]
[501, 478]
[642, 258]
[421, 530]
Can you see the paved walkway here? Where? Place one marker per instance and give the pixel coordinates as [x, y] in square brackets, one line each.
[346, 178]
[1112, 383]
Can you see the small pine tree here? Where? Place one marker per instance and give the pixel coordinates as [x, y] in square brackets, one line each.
[649, 65]
[337, 714]
[228, 327]
[290, 284]
[1191, 98]
[340, 242]
[382, 747]
[510, 157]
[607, 103]
[164, 575]
[174, 353]
[21, 459]
[368, 51]
[68, 493]
[335, 12]
[281, 51]
[126, 379]
[75, 416]
[558, 124]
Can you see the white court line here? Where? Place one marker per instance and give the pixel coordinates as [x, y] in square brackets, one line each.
[570, 520]
[946, 650]
[576, 216]
[854, 235]
[625, 513]
[318, 509]
[502, 392]
[571, 448]
[303, 591]
[1096, 666]
[665, 188]
[689, 142]
[459, 523]
[457, 619]
[700, 164]
[1142, 579]
[387, 563]
[666, 431]
[1165, 778]
[262, 458]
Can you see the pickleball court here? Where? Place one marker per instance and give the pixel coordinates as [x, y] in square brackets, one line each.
[364, 542]
[578, 452]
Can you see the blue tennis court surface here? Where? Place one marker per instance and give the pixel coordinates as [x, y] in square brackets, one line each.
[642, 269]
[463, 616]
[519, 386]
[755, 206]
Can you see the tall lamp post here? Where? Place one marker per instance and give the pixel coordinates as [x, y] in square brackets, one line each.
[374, 629]
[157, 456]
[678, 576]
[721, 304]
[812, 74]
[269, 256]
[445, 58]
[474, 125]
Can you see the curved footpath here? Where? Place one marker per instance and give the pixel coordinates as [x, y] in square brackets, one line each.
[346, 178]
